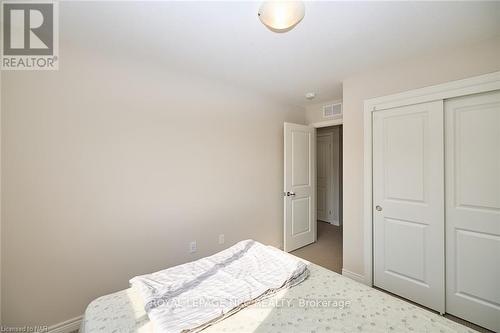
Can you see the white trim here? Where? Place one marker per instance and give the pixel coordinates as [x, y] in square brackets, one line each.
[354, 276]
[327, 123]
[469, 86]
[67, 326]
[473, 85]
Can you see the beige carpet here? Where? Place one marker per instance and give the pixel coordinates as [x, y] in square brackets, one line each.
[327, 251]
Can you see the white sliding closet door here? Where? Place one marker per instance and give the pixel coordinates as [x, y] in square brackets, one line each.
[473, 208]
[408, 199]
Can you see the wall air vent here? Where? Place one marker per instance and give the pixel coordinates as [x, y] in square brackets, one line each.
[332, 110]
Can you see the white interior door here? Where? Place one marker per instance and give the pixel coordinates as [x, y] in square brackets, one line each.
[325, 177]
[473, 208]
[299, 186]
[408, 197]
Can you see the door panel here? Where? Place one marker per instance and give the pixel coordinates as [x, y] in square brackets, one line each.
[301, 217]
[408, 186]
[299, 186]
[301, 150]
[404, 167]
[473, 208]
[412, 235]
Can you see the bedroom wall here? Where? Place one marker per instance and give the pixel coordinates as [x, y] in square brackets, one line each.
[420, 72]
[110, 167]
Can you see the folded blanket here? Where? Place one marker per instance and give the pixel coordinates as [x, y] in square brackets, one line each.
[190, 297]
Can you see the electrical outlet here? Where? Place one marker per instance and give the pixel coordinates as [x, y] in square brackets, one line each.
[192, 247]
[221, 239]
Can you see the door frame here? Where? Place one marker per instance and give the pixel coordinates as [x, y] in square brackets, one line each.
[330, 123]
[327, 123]
[469, 86]
[330, 173]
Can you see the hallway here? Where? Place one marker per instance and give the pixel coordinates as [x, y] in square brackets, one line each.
[327, 251]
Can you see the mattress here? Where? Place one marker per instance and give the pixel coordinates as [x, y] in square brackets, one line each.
[325, 302]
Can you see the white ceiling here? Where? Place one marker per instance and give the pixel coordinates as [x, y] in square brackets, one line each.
[226, 41]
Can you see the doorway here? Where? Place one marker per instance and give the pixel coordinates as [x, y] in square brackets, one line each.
[327, 250]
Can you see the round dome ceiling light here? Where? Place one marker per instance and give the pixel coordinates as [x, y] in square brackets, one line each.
[281, 16]
[310, 95]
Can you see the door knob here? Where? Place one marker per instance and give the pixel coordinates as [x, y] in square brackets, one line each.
[290, 194]
[378, 208]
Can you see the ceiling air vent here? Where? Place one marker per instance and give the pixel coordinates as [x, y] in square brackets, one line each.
[332, 110]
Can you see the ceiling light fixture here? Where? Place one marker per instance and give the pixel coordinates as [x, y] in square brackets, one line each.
[281, 16]
[310, 95]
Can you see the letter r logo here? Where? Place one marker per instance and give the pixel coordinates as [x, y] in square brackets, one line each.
[28, 29]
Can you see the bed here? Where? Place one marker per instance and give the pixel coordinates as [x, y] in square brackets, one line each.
[325, 302]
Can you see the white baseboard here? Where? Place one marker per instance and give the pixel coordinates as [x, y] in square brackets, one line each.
[67, 326]
[354, 276]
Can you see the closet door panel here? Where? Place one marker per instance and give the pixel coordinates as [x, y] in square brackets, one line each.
[473, 208]
[408, 193]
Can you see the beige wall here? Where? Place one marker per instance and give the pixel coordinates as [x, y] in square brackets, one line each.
[422, 71]
[110, 168]
[314, 112]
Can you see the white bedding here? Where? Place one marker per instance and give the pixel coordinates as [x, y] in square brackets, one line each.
[358, 308]
[189, 297]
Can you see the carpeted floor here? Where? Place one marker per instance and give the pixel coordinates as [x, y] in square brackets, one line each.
[327, 251]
